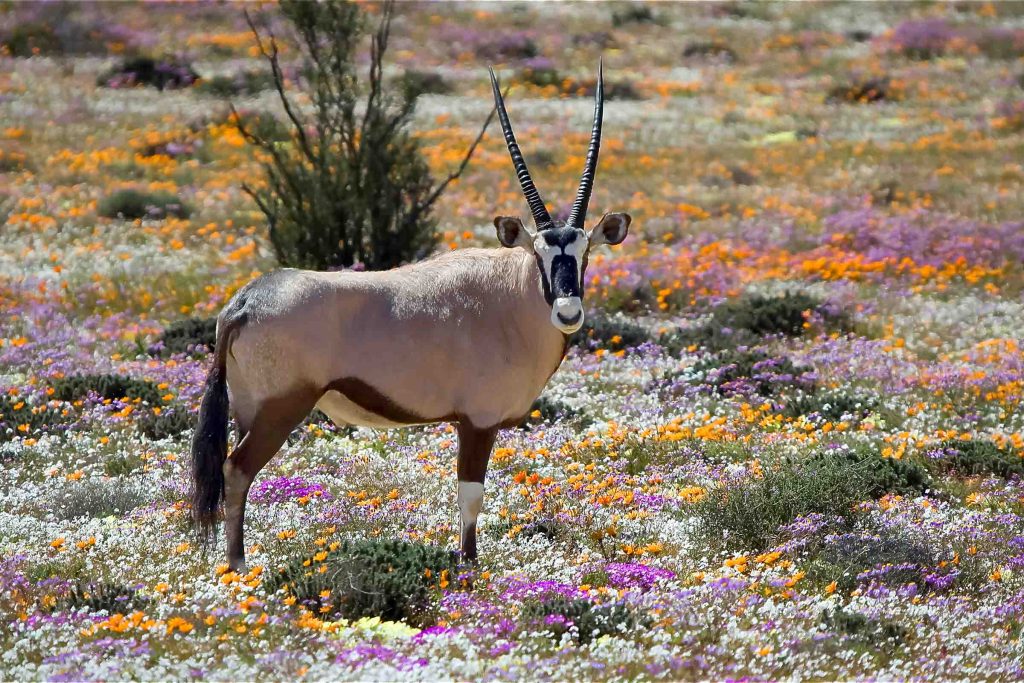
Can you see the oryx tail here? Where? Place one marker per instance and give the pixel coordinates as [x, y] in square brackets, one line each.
[210, 440]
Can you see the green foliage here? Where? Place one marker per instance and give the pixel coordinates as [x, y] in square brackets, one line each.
[743, 371]
[743, 321]
[713, 49]
[552, 410]
[843, 558]
[979, 458]
[762, 315]
[633, 13]
[262, 125]
[862, 92]
[248, 82]
[830, 405]
[415, 83]
[30, 38]
[746, 517]
[191, 335]
[108, 386]
[885, 475]
[12, 161]
[165, 73]
[599, 329]
[122, 464]
[95, 498]
[131, 204]
[168, 423]
[874, 632]
[558, 615]
[541, 76]
[597, 578]
[394, 580]
[39, 418]
[106, 596]
[350, 184]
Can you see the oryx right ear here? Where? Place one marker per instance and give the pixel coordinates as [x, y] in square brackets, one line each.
[512, 232]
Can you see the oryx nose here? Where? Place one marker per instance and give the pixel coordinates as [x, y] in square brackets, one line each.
[567, 313]
[567, 306]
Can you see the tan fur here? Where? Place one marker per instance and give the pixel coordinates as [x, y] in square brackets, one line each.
[463, 334]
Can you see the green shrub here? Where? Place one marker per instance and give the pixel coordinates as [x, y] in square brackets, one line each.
[262, 125]
[763, 315]
[250, 82]
[30, 38]
[192, 336]
[122, 464]
[743, 321]
[874, 632]
[541, 76]
[552, 410]
[168, 423]
[633, 13]
[829, 405]
[862, 92]
[978, 458]
[19, 418]
[113, 387]
[106, 596]
[843, 558]
[559, 615]
[350, 185]
[166, 73]
[740, 372]
[885, 475]
[747, 517]
[131, 204]
[713, 49]
[394, 580]
[415, 83]
[547, 527]
[600, 329]
[95, 499]
[12, 161]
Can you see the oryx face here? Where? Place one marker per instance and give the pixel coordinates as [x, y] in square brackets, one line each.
[561, 254]
[561, 248]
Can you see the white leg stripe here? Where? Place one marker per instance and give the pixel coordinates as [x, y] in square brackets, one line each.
[471, 500]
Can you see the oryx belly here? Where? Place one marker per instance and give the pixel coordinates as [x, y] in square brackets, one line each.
[344, 411]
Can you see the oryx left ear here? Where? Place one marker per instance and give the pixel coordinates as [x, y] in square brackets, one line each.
[512, 233]
[612, 229]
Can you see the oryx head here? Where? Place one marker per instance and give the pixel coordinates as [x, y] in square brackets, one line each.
[561, 247]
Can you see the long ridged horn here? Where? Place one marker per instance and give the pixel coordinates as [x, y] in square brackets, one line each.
[540, 212]
[579, 208]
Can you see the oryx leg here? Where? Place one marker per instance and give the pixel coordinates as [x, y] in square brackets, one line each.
[474, 451]
[263, 437]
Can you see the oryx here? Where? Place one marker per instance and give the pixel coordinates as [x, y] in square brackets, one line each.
[470, 337]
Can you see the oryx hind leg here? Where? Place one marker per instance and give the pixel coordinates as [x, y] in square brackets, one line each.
[265, 433]
[475, 446]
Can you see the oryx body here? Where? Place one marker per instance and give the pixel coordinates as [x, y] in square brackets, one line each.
[463, 336]
[469, 337]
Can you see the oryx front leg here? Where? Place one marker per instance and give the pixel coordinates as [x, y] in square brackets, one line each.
[474, 452]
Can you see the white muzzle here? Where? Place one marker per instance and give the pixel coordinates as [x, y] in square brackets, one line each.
[567, 314]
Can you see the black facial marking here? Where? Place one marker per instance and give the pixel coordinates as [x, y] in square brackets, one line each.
[564, 275]
[559, 237]
[548, 296]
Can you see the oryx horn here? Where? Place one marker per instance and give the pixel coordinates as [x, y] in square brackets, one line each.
[579, 208]
[540, 212]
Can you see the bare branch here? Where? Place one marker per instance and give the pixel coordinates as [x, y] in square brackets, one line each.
[465, 161]
[275, 66]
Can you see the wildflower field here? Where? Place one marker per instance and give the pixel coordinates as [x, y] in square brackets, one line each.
[787, 444]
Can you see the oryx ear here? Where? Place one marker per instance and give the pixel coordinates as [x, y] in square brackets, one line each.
[612, 229]
[512, 232]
